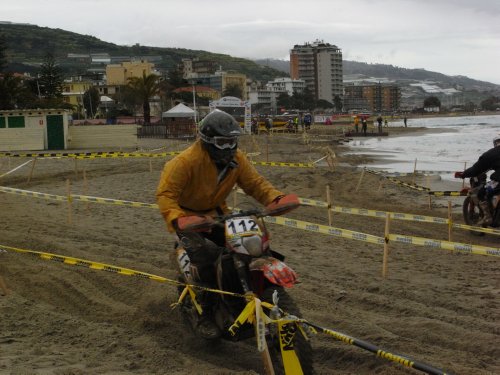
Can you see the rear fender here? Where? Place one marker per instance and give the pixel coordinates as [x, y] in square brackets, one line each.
[275, 271]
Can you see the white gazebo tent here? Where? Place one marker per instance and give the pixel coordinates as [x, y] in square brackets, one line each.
[180, 110]
[179, 122]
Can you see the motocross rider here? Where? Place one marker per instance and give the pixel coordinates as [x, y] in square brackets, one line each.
[490, 160]
[197, 182]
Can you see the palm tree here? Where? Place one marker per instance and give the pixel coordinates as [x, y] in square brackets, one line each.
[144, 88]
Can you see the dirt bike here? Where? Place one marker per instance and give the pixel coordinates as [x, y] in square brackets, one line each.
[471, 209]
[247, 266]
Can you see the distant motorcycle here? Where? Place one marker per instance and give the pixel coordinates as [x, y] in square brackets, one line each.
[246, 265]
[472, 212]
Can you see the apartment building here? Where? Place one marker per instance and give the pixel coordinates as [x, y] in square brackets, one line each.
[118, 74]
[377, 98]
[319, 64]
[287, 85]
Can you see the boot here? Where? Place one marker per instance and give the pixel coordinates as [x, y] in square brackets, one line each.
[486, 219]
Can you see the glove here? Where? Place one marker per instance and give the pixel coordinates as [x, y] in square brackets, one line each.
[194, 223]
[459, 175]
[282, 204]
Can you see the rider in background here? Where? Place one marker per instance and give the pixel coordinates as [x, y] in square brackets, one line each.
[490, 160]
[197, 182]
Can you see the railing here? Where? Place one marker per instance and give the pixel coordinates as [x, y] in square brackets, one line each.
[167, 131]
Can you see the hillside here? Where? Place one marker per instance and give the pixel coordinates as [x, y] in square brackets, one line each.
[28, 44]
[395, 73]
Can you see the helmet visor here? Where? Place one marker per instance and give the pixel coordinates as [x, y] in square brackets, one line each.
[220, 142]
[224, 142]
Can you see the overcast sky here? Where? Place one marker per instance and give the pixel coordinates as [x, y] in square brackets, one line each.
[454, 37]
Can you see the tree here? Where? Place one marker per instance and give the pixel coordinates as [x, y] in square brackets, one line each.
[91, 101]
[233, 89]
[144, 88]
[284, 100]
[3, 53]
[50, 79]
[491, 103]
[322, 103]
[337, 101]
[432, 101]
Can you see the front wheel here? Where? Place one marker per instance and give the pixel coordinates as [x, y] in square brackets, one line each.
[472, 214]
[300, 345]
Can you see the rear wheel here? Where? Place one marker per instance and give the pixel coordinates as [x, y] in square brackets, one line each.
[301, 345]
[472, 214]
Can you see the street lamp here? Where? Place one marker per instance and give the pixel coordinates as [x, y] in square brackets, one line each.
[194, 105]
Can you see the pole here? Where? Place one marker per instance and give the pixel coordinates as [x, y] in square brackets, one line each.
[386, 245]
[32, 169]
[194, 106]
[329, 201]
[68, 190]
[360, 179]
[450, 221]
[414, 171]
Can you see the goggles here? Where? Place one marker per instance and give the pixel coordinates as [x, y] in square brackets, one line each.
[221, 142]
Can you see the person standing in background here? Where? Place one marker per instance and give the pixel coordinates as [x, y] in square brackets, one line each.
[405, 120]
[356, 124]
[364, 125]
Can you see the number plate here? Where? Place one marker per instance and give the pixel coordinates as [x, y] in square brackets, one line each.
[241, 227]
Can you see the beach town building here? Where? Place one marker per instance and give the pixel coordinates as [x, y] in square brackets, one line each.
[118, 74]
[288, 85]
[319, 64]
[376, 98]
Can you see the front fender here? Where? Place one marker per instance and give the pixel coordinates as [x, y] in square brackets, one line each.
[274, 270]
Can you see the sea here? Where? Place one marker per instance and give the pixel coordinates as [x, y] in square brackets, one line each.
[458, 144]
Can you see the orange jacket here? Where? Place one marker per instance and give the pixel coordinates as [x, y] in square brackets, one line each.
[188, 184]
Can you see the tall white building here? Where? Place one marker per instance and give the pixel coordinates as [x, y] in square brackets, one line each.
[319, 64]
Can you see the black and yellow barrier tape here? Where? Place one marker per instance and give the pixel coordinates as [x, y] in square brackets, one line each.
[248, 314]
[110, 268]
[93, 155]
[445, 245]
[447, 193]
[304, 225]
[77, 197]
[392, 215]
[433, 172]
[397, 358]
[280, 164]
[398, 182]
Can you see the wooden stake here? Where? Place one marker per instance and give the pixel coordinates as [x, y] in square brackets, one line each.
[3, 286]
[463, 180]
[430, 201]
[329, 201]
[428, 181]
[32, 169]
[414, 171]
[267, 148]
[380, 185]
[360, 179]
[85, 187]
[68, 191]
[76, 168]
[386, 245]
[450, 220]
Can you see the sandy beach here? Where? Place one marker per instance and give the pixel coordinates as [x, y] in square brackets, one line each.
[439, 307]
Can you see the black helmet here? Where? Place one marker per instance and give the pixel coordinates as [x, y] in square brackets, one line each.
[220, 123]
[219, 133]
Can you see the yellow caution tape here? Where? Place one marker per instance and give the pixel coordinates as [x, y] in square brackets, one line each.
[399, 182]
[445, 245]
[279, 164]
[447, 193]
[392, 215]
[325, 229]
[114, 269]
[304, 225]
[477, 229]
[84, 155]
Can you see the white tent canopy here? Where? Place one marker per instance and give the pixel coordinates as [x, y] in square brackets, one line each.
[180, 110]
